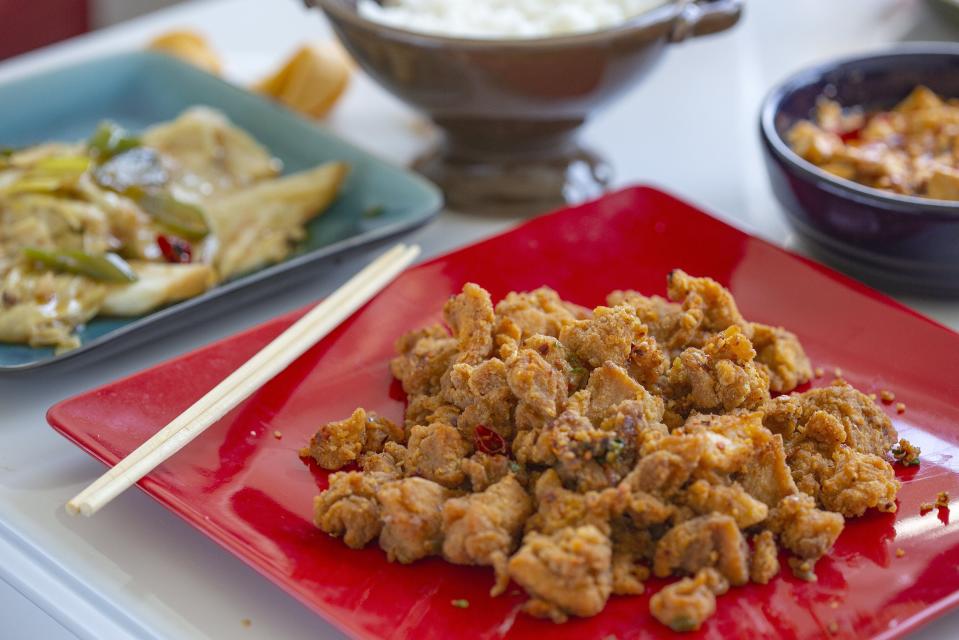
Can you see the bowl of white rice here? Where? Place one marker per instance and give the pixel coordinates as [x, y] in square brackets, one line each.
[510, 82]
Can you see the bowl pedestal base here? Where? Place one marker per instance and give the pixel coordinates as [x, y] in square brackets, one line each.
[503, 171]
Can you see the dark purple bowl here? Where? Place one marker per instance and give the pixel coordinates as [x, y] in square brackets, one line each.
[902, 243]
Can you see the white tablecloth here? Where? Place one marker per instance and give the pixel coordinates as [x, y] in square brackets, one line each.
[136, 570]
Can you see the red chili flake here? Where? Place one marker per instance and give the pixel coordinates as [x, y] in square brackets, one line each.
[175, 249]
[488, 441]
[851, 135]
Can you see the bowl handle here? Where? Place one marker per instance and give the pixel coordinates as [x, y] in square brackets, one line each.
[703, 17]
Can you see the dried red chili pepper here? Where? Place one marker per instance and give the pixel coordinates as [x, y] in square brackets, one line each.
[488, 441]
[175, 249]
[851, 136]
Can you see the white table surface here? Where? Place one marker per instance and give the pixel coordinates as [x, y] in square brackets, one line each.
[138, 571]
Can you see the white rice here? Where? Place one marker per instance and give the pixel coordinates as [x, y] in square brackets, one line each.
[504, 18]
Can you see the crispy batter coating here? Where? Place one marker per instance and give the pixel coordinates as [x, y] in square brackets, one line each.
[802, 528]
[719, 310]
[483, 469]
[566, 572]
[719, 377]
[706, 541]
[632, 548]
[536, 383]
[638, 438]
[412, 515]
[424, 356]
[764, 562]
[539, 312]
[470, 316]
[558, 508]
[686, 604]
[349, 507]
[778, 351]
[834, 440]
[436, 453]
[731, 500]
[609, 335]
[673, 327]
[337, 444]
[483, 528]
[866, 427]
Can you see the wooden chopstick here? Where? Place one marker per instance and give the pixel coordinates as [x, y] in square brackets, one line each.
[249, 377]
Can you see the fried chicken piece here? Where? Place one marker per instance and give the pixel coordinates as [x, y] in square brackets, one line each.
[566, 572]
[628, 572]
[558, 508]
[349, 508]
[835, 438]
[684, 605]
[483, 528]
[647, 363]
[661, 473]
[764, 562]
[337, 444]
[470, 316]
[424, 356]
[436, 453]
[609, 335]
[609, 386]
[538, 312]
[844, 480]
[731, 500]
[483, 395]
[585, 456]
[766, 476]
[427, 409]
[668, 322]
[708, 296]
[729, 440]
[650, 487]
[412, 514]
[866, 427]
[803, 529]
[783, 357]
[483, 469]
[536, 383]
[719, 377]
[705, 541]
[635, 420]
[559, 357]
[382, 463]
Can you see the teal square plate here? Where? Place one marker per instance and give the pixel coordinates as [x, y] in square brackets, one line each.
[138, 89]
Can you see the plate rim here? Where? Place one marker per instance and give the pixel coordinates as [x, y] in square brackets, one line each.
[248, 281]
[230, 543]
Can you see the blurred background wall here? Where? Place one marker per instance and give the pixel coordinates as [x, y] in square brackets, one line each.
[29, 24]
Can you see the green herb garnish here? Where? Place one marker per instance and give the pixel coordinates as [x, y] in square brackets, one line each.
[461, 603]
[683, 623]
[614, 448]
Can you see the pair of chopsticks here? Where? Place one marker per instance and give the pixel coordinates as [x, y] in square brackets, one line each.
[253, 374]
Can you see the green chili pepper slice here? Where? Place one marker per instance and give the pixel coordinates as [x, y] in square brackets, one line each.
[182, 218]
[108, 267]
[110, 139]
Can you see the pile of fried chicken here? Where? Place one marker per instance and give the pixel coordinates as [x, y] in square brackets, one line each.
[912, 149]
[578, 452]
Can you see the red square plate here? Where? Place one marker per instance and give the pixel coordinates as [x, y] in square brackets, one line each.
[249, 491]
